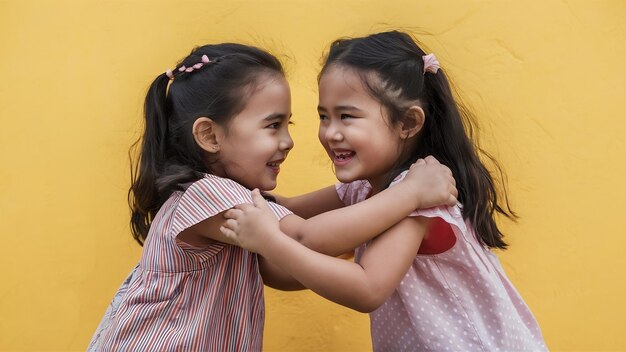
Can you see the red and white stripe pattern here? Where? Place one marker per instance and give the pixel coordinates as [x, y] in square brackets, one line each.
[182, 298]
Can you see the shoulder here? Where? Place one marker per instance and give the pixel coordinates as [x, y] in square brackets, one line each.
[218, 189]
[353, 192]
[399, 178]
[450, 214]
[215, 194]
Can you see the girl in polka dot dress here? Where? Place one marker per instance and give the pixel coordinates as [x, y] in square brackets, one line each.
[430, 282]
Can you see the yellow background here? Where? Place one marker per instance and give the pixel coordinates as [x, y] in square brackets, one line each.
[546, 79]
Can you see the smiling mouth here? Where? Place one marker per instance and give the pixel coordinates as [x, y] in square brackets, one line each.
[342, 157]
[275, 165]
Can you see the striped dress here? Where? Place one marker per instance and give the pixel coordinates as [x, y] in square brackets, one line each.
[183, 298]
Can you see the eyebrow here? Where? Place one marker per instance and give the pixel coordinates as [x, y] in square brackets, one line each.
[277, 116]
[341, 108]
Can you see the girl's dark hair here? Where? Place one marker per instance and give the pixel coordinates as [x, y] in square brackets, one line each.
[168, 156]
[391, 67]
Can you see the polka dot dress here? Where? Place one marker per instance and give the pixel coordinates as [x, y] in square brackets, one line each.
[459, 300]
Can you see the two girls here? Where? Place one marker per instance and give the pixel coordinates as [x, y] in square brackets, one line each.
[430, 281]
[216, 126]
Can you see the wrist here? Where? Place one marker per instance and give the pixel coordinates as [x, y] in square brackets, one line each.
[412, 192]
[272, 244]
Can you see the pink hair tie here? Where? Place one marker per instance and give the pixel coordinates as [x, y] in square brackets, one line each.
[430, 63]
[169, 74]
[203, 60]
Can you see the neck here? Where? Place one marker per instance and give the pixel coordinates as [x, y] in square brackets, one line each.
[378, 183]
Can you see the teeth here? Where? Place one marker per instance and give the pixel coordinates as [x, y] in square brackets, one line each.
[343, 155]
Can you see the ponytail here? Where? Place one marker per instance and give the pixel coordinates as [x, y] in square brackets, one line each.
[143, 195]
[446, 139]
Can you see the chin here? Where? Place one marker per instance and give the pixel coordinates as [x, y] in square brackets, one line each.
[345, 178]
[267, 186]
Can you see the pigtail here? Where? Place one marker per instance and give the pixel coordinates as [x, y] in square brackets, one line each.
[143, 195]
[448, 137]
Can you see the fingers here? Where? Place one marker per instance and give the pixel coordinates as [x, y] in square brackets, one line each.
[244, 206]
[417, 163]
[455, 192]
[452, 201]
[452, 179]
[258, 199]
[230, 224]
[431, 160]
[228, 233]
[233, 213]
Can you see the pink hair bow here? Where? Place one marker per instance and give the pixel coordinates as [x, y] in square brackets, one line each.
[431, 64]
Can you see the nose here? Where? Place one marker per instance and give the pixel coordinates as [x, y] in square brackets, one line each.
[286, 143]
[330, 132]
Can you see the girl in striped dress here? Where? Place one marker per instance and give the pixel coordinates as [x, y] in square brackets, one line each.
[215, 127]
[431, 281]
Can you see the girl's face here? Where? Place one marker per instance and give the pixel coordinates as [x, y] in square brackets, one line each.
[353, 129]
[257, 140]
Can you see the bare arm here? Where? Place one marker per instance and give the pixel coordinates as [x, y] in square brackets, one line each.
[207, 232]
[314, 203]
[275, 277]
[339, 231]
[361, 287]
[427, 184]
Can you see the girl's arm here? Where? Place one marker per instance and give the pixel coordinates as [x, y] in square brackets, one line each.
[313, 203]
[275, 277]
[208, 231]
[427, 184]
[327, 199]
[363, 287]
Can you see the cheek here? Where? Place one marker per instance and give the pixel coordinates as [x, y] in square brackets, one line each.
[320, 135]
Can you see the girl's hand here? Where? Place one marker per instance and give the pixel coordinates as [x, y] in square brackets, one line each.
[433, 183]
[251, 226]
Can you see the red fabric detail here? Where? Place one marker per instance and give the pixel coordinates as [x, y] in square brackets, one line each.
[438, 239]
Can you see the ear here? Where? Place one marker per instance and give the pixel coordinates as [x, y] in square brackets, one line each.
[205, 133]
[413, 122]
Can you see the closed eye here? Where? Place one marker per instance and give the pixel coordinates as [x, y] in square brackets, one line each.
[346, 116]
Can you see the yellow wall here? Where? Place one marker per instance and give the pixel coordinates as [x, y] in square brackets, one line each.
[545, 77]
